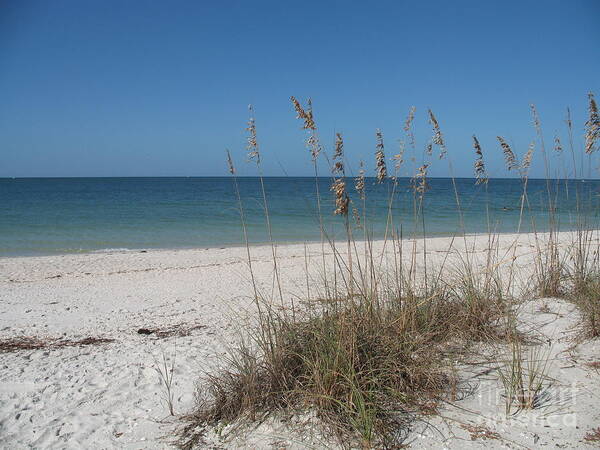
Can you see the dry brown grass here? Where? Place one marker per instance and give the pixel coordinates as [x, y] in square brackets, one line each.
[593, 435]
[177, 330]
[477, 432]
[39, 343]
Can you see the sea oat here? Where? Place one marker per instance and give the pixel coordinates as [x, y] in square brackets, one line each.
[341, 197]
[557, 145]
[230, 163]
[437, 134]
[306, 116]
[399, 158]
[592, 126]
[380, 169]
[536, 119]
[252, 145]
[339, 185]
[338, 155]
[527, 160]
[419, 181]
[356, 216]
[312, 143]
[408, 126]
[568, 119]
[359, 185]
[509, 156]
[429, 148]
[480, 173]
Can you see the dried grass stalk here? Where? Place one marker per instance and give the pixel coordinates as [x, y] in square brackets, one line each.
[568, 120]
[356, 216]
[338, 155]
[437, 139]
[380, 169]
[339, 185]
[306, 115]
[399, 158]
[509, 156]
[359, 185]
[408, 126]
[524, 169]
[230, 163]
[536, 119]
[480, 172]
[341, 197]
[419, 181]
[252, 143]
[592, 126]
[558, 148]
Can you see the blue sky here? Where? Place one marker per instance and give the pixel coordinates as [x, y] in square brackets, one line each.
[136, 88]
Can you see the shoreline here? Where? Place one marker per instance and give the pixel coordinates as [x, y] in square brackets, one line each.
[112, 251]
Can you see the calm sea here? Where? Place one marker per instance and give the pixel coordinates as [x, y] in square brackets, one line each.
[70, 215]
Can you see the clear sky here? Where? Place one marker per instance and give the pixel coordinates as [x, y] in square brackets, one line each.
[157, 88]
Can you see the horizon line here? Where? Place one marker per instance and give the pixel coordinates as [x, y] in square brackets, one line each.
[273, 176]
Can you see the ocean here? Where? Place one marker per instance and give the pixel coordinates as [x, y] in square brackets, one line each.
[41, 216]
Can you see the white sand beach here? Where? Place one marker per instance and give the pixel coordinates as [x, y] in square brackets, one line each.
[108, 395]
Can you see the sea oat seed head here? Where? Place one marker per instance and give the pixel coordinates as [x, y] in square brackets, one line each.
[399, 157]
[306, 115]
[419, 181]
[230, 163]
[527, 160]
[380, 168]
[557, 145]
[408, 126]
[338, 155]
[359, 185]
[437, 138]
[429, 148]
[252, 145]
[341, 197]
[509, 156]
[592, 125]
[536, 119]
[480, 172]
[568, 119]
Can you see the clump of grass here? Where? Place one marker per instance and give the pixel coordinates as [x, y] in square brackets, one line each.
[550, 271]
[483, 304]
[586, 295]
[360, 364]
[166, 373]
[524, 376]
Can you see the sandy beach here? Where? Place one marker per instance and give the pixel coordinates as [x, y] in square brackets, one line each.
[194, 303]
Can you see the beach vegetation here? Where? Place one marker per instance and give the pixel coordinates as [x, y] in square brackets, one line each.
[377, 343]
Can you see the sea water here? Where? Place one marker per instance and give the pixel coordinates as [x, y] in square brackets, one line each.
[41, 216]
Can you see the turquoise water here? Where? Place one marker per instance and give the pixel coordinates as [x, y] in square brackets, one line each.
[69, 215]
